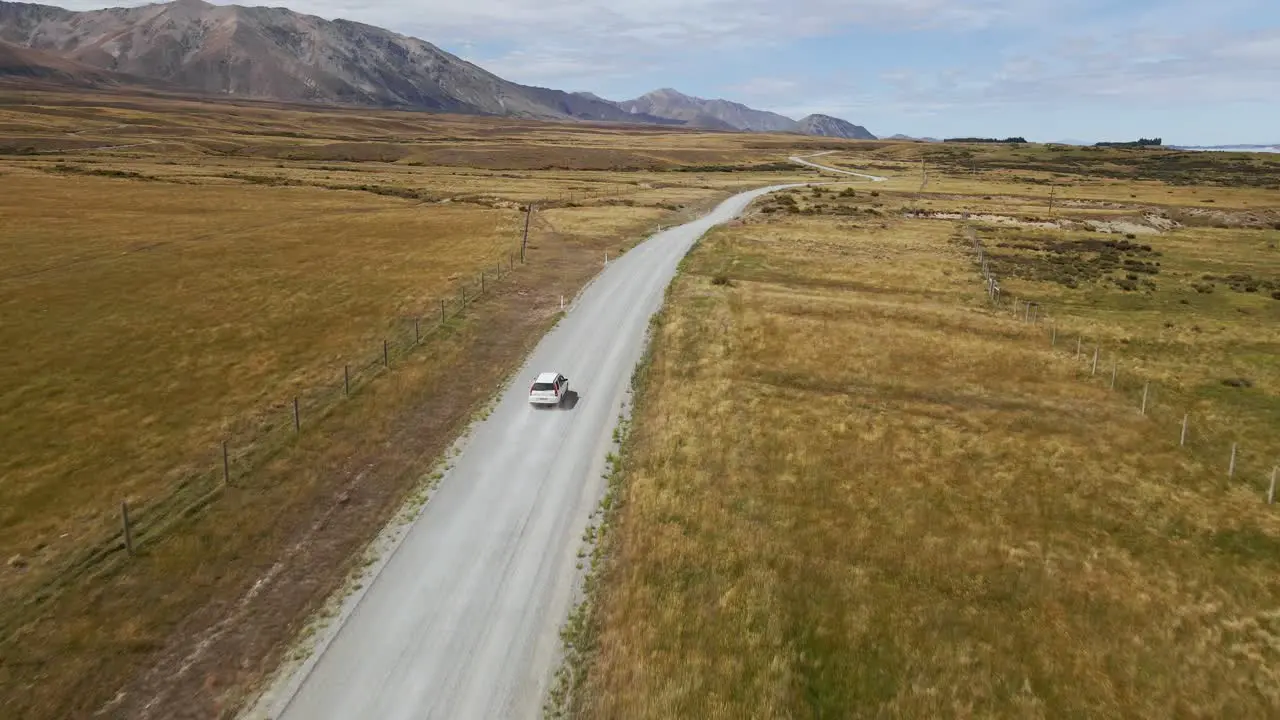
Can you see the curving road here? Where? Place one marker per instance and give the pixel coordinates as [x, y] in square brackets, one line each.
[800, 160]
[463, 619]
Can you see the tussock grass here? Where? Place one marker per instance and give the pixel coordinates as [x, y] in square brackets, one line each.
[852, 491]
[178, 269]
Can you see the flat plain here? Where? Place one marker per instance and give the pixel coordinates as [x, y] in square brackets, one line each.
[852, 486]
[176, 272]
[855, 487]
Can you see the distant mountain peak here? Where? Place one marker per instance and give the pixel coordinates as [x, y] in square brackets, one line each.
[273, 53]
[727, 114]
[828, 126]
[278, 54]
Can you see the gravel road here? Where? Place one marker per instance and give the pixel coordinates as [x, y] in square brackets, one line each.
[801, 161]
[463, 619]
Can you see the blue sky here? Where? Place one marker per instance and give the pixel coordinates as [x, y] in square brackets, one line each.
[1189, 71]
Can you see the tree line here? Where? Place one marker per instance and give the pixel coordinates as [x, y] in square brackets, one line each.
[1012, 140]
[1141, 142]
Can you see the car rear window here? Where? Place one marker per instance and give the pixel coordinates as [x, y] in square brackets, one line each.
[544, 386]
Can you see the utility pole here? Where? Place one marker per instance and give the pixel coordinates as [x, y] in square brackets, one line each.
[1051, 189]
[525, 241]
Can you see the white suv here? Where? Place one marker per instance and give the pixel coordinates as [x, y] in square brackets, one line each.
[549, 388]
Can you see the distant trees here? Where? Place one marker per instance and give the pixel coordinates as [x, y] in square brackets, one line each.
[1141, 142]
[1010, 140]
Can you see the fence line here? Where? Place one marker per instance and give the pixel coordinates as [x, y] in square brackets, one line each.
[258, 438]
[1192, 436]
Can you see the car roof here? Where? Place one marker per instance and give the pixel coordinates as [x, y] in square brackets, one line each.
[548, 377]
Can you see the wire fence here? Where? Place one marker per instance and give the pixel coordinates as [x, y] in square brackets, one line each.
[255, 440]
[1243, 455]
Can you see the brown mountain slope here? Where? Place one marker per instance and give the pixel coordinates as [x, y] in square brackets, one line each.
[700, 112]
[827, 126]
[277, 54]
[724, 114]
[19, 62]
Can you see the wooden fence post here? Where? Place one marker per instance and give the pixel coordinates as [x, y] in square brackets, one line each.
[1145, 389]
[1271, 492]
[1231, 468]
[386, 355]
[346, 380]
[128, 527]
[297, 416]
[442, 311]
[1079, 344]
[1114, 367]
[226, 464]
[1182, 440]
[417, 330]
[1094, 371]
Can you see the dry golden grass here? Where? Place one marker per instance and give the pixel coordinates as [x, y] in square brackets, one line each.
[159, 297]
[853, 490]
[176, 270]
[147, 320]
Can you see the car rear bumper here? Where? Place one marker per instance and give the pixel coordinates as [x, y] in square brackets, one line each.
[544, 400]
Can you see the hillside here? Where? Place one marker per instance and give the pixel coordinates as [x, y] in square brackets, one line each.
[827, 126]
[277, 54]
[728, 115]
[668, 103]
[20, 62]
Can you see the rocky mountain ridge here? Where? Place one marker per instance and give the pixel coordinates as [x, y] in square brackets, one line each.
[277, 54]
[727, 115]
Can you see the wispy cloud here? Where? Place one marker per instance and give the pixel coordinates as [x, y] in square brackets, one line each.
[662, 25]
[884, 58]
[1133, 67]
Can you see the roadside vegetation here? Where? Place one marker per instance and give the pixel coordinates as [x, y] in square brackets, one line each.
[175, 271]
[853, 488]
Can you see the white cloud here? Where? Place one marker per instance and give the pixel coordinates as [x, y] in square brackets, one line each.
[659, 23]
[1126, 69]
[603, 42]
[1066, 51]
[765, 88]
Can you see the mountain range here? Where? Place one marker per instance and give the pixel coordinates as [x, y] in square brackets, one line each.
[277, 54]
[726, 115]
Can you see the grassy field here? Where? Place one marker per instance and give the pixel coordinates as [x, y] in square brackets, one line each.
[176, 271]
[852, 488]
